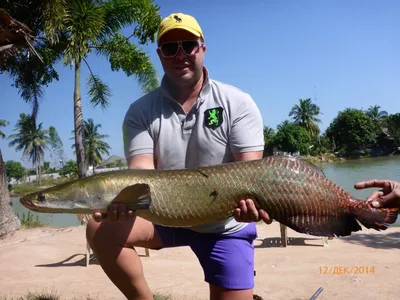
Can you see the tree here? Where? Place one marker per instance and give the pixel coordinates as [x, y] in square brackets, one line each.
[269, 135]
[47, 169]
[291, 138]
[56, 147]
[14, 37]
[93, 143]
[393, 126]
[305, 114]
[352, 130]
[69, 169]
[377, 116]
[94, 27]
[28, 57]
[9, 222]
[15, 170]
[3, 123]
[32, 139]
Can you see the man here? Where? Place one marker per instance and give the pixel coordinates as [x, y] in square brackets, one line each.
[190, 121]
[388, 196]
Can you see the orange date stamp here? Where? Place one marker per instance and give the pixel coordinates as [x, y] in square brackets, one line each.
[346, 270]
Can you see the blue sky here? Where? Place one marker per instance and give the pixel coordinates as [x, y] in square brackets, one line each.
[339, 53]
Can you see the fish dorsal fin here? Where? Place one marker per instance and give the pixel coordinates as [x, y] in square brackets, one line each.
[136, 196]
[312, 166]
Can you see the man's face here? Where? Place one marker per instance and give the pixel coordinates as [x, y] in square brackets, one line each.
[181, 68]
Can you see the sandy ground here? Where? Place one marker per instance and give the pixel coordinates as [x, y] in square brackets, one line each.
[46, 259]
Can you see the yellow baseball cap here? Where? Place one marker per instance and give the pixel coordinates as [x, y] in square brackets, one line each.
[181, 21]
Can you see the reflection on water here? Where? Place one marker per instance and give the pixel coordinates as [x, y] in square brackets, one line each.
[345, 174]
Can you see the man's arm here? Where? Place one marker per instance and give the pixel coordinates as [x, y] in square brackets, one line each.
[247, 143]
[141, 161]
[248, 155]
[247, 210]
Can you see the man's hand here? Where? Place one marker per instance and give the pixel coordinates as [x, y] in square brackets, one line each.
[115, 212]
[118, 212]
[388, 196]
[247, 212]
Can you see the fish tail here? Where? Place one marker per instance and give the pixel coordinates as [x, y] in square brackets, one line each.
[375, 218]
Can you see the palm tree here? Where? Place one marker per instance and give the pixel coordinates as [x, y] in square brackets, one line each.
[282, 125]
[9, 222]
[378, 116]
[305, 114]
[89, 26]
[268, 133]
[3, 123]
[31, 139]
[94, 146]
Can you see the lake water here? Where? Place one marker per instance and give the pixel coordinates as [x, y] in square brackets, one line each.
[345, 174]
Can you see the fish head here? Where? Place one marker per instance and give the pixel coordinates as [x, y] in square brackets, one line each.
[77, 196]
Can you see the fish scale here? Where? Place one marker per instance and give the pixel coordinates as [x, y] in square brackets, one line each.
[292, 191]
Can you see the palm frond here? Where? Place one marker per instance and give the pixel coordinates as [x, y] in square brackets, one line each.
[84, 21]
[98, 91]
[125, 56]
[3, 123]
[121, 13]
[53, 17]
[30, 74]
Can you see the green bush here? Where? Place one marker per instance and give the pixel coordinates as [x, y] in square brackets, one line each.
[28, 221]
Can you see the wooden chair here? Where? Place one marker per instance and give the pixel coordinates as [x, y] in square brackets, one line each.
[284, 237]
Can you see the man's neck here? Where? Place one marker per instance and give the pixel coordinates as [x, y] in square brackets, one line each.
[187, 95]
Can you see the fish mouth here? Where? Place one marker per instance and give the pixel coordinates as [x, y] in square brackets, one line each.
[29, 204]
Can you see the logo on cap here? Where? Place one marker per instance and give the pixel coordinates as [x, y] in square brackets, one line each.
[213, 117]
[178, 20]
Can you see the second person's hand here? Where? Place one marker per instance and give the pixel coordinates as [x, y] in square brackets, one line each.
[388, 196]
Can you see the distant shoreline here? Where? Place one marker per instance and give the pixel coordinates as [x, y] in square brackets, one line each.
[331, 158]
[319, 160]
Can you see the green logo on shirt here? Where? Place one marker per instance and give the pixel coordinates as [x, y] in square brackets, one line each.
[213, 117]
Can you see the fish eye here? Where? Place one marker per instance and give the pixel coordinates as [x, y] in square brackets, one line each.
[41, 197]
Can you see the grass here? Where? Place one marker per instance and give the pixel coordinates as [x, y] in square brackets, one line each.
[161, 297]
[55, 296]
[321, 159]
[28, 221]
[29, 187]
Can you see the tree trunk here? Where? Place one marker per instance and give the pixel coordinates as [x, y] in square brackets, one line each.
[80, 152]
[39, 171]
[38, 178]
[9, 222]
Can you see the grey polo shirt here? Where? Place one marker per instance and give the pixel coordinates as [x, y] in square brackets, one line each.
[224, 120]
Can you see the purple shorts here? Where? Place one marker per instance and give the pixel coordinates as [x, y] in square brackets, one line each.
[227, 260]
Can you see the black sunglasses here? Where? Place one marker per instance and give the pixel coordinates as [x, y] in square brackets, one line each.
[189, 47]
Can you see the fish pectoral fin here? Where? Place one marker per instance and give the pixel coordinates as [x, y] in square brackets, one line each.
[135, 196]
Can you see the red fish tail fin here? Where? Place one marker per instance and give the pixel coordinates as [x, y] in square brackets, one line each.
[375, 218]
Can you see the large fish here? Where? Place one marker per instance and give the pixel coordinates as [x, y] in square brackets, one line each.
[292, 191]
